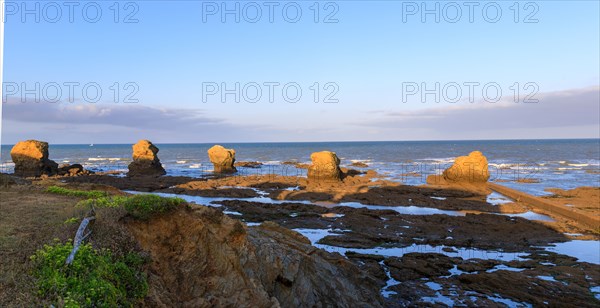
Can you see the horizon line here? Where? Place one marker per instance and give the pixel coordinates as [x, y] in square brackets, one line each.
[338, 141]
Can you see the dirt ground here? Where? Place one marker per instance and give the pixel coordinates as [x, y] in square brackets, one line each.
[29, 218]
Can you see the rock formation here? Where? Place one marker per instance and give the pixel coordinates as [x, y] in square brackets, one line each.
[471, 169]
[470, 172]
[222, 159]
[145, 160]
[202, 258]
[325, 167]
[72, 170]
[248, 164]
[359, 164]
[300, 275]
[31, 159]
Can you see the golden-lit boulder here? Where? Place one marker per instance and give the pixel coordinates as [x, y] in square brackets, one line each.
[325, 166]
[31, 159]
[222, 159]
[145, 160]
[467, 173]
[472, 169]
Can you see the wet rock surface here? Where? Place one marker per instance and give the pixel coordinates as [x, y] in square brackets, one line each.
[359, 164]
[300, 275]
[537, 279]
[420, 196]
[72, 170]
[296, 164]
[414, 266]
[366, 228]
[248, 164]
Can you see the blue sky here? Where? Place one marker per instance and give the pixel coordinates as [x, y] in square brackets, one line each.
[369, 53]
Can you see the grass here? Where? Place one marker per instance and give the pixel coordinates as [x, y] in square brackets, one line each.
[108, 201]
[32, 217]
[94, 279]
[144, 206]
[91, 194]
[71, 220]
[138, 206]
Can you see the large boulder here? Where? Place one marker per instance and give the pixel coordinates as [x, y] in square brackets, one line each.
[31, 159]
[468, 172]
[325, 167]
[222, 159]
[145, 160]
[471, 169]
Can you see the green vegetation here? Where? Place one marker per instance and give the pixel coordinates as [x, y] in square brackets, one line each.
[143, 206]
[71, 220]
[94, 279]
[76, 193]
[138, 206]
[112, 201]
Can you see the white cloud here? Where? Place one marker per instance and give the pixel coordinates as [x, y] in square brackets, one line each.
[565, 114]
[554, 111]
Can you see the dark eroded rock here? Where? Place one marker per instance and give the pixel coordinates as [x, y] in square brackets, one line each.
[145, 160]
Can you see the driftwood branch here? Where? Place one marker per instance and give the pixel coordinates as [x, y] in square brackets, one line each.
[80, 236]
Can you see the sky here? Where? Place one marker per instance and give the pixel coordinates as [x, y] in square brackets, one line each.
[267, 71]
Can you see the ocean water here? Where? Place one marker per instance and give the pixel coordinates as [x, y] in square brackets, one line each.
[551, 163]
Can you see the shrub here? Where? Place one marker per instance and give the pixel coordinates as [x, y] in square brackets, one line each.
[144, 206]
[114, 201]
[139, 206]
[94, 279]
[76, 193]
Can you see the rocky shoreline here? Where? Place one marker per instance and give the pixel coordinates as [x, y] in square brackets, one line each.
[446, 243]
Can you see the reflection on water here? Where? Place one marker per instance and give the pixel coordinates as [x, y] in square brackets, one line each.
[407, 210]
[584, 251]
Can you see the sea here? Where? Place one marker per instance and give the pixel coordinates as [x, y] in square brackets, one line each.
[531, 166]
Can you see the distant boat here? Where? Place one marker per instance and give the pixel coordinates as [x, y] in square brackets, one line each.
[91, 144]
